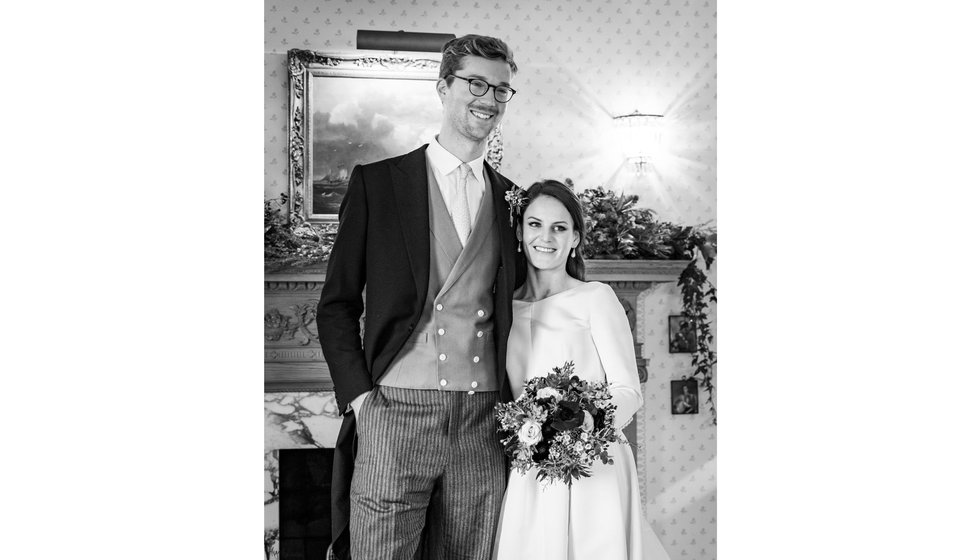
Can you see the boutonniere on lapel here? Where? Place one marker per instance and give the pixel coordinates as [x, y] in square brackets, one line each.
[516, 199]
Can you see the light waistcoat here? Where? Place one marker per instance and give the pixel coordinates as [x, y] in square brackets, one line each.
[453, 348]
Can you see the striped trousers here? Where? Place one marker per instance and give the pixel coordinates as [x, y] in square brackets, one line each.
[429, 476]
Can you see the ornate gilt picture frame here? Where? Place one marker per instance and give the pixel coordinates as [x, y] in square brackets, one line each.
[348, 109]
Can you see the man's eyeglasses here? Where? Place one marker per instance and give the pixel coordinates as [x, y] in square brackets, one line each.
[479, 88]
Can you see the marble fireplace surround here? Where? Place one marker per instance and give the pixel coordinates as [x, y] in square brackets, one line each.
[294, 361]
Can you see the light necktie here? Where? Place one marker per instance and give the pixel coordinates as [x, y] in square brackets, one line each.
[461, 208]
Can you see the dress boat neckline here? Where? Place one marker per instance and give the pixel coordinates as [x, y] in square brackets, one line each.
[573, 288]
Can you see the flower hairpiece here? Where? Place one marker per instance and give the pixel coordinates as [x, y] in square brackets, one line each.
[516, 199]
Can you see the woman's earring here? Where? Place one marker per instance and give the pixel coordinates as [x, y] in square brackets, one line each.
[573, 252]
[518, 246]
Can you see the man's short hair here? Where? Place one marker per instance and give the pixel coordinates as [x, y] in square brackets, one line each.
[482, 46]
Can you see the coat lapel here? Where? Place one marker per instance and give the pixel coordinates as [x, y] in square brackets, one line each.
[508, 239]
[409, 182]
[510, 276]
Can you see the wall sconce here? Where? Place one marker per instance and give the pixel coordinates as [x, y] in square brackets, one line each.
[640, 136]
[401, 41]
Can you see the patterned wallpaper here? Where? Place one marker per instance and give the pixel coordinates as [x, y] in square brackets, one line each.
[677, 455]
[580, 63]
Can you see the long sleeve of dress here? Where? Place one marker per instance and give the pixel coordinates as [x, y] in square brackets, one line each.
[614, 342]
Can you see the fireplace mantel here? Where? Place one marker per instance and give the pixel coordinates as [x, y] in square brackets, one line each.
[294, 361]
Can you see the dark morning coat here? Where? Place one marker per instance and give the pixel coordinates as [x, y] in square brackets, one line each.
[383, 244]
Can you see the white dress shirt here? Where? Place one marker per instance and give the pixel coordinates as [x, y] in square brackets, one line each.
[443, 165]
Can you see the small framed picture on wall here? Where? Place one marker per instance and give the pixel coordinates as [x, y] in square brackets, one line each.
[682, 338]
[684, 396]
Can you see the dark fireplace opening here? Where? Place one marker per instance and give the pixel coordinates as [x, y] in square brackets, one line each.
[304, 503]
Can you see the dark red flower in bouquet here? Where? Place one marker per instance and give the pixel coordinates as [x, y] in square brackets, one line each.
[568, 416]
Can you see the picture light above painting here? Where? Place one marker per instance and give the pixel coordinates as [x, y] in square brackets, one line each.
[368, 39]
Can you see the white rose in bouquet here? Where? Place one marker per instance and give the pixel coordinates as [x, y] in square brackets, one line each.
[530, 433]
[548, 392]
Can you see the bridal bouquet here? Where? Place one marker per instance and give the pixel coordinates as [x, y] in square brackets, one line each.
[559, 424]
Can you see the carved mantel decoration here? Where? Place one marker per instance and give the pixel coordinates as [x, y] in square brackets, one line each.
[294, 361]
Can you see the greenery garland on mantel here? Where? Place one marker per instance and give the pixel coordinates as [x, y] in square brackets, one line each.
[293, 242]
[615, 229]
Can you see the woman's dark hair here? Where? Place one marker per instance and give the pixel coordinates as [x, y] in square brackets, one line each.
[575, 266]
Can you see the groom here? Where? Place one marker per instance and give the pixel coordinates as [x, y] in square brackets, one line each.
[426, 237]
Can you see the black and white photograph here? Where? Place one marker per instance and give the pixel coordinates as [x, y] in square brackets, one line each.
[485, 322]
[462, 212]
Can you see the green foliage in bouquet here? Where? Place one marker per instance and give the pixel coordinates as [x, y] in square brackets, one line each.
[559, 424]
[292, 242]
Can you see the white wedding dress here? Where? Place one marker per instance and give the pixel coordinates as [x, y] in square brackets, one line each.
[598, 517]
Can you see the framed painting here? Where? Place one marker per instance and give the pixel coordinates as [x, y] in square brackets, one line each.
[682, 338]
[684, 396]
[351, 109]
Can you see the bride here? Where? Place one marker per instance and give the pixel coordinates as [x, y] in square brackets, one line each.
[559, 317]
